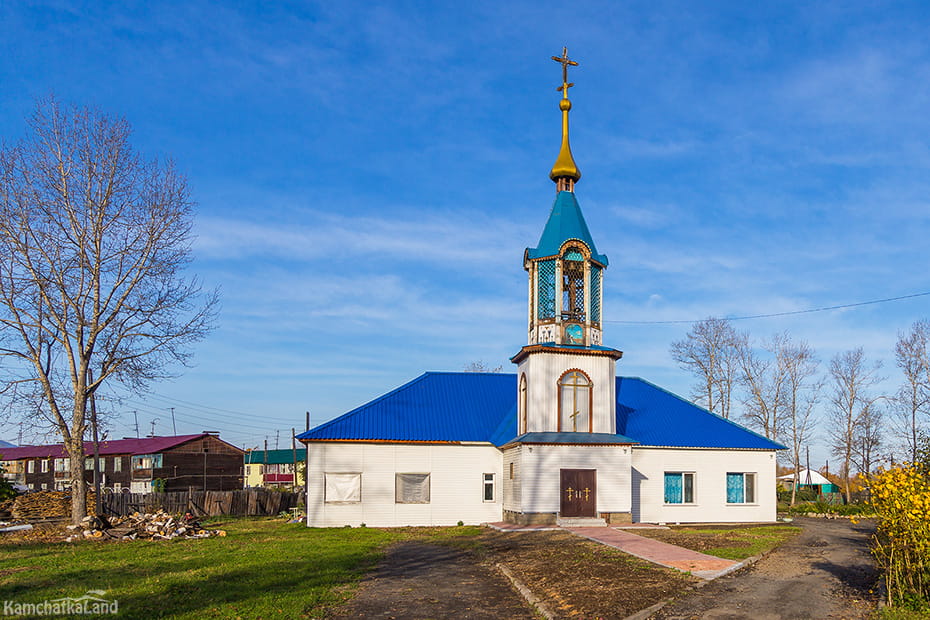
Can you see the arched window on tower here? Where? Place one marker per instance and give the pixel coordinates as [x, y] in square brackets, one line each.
[523, 404]
[575, 402]
[573, 285]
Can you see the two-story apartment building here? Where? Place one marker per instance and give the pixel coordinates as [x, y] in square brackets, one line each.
[275, 468]
[140, 465]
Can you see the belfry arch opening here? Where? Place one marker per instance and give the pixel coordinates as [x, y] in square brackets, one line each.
[573, 281]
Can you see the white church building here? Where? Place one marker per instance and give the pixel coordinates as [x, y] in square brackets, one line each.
[563, 438]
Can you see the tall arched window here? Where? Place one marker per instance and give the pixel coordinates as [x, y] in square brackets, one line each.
[575, 402]
[522, 412]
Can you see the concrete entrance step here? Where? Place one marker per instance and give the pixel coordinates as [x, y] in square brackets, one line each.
[581, 522]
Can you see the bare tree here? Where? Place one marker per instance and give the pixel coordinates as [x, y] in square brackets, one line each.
[480, 366]
[868, 437]
[912, 402]
[94, 241]
[802, 392]
[763, 375]
[709, 351]
[850, 401]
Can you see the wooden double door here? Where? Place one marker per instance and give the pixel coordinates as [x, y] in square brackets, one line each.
[578, 492]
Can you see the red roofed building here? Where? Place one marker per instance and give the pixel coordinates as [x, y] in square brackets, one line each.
[199, 462]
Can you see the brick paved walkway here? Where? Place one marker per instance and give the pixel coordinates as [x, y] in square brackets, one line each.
[658, 552]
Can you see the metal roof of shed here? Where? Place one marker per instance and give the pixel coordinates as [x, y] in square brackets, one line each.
[141, 445]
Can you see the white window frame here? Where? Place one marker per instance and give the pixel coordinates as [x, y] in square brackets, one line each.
[488, 480]
[31, 466]
[683, 474]
[117, 463]
[44, 466]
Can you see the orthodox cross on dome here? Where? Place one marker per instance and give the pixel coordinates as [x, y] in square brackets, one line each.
[565, 61]
[565, 172]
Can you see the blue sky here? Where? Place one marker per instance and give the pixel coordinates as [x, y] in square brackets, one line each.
[368, 175]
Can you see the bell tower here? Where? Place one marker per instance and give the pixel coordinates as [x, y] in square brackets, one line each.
[566, 375]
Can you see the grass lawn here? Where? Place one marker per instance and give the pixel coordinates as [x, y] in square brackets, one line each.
[266, 568]
[732, 543]
[263, 569]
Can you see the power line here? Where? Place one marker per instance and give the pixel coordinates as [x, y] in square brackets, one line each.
[777, 314]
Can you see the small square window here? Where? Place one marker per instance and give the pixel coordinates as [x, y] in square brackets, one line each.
[411, 488]
[489, 487]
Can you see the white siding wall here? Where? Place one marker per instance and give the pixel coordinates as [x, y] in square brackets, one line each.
[512, 488]
[540, 475]
[710, 500]
[543, 370]
[456, 484]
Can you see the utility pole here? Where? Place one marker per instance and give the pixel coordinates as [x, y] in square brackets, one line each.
[277, 437]
[307, 470]
[154, 420]
[136, 416]
[294, 454]
[19, 441]
[174, 427]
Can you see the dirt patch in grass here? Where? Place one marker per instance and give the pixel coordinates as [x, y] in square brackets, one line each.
[733, 542]
[579, 578]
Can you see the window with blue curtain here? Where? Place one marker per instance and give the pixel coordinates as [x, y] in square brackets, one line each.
[672, 488]
[741, 488]
[734, 488]
[679, 488]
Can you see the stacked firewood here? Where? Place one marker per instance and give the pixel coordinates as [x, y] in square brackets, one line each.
[6, 510]
[155, 526]
[44, 505]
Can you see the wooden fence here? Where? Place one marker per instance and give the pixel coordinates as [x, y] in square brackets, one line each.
[245, 502]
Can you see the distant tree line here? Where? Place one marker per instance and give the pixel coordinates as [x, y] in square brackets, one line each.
[778, 388]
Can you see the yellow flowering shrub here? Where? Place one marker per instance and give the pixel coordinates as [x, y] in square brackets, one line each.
[901, 498]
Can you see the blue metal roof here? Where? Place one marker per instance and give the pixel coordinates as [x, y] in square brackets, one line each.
[565, 222]
[436, 406]
[482, 407]
[656, 417]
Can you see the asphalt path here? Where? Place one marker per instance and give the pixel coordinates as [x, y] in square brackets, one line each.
[825, 572]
